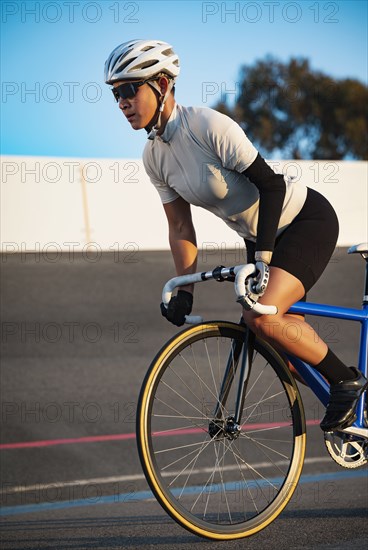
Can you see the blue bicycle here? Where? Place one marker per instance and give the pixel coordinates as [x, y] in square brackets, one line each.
[221, 429]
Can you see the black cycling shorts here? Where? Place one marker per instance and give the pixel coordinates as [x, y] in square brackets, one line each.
[307, 244]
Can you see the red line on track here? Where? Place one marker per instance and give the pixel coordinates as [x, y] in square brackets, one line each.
[123, 437]
[67, 441]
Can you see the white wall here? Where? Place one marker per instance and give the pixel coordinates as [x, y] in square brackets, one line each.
[63, 203]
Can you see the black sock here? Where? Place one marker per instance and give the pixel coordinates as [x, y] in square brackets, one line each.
[333, 369]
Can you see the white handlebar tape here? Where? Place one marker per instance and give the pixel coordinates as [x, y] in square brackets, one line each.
[182, 280]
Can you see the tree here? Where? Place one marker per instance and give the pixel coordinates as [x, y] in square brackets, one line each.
[301, 113]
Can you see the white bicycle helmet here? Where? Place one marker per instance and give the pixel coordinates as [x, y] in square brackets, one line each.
[140, 60]
[144, 60]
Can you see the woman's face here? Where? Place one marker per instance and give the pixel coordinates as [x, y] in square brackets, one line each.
[140, 109]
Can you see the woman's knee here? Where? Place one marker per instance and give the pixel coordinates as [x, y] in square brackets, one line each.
[260, 324]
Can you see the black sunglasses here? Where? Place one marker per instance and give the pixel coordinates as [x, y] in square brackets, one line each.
[127, 90]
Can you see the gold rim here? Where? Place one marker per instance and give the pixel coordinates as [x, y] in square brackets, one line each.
[299, 445]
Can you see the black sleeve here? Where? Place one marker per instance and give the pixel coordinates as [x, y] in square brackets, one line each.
[272, 189]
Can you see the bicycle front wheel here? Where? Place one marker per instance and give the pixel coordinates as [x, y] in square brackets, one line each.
[217, 486]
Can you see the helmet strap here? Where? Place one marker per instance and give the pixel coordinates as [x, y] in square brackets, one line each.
[152, 132]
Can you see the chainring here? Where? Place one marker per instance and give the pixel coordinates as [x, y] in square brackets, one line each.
[347, 450]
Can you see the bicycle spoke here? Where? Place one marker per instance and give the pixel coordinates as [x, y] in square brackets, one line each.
[281, 409]
[171, 473]
[205, 485]
[178, 447]
[263, 400]
[185, 417]
[267, 429]
[257, 442]
[210, 364]
[192, 463]
[195, 371]
[185, 384]
[272, 440]
[219, 461]
[252, 471]
[246, 485]
[178, 416]
[182, 397]
[200, 379]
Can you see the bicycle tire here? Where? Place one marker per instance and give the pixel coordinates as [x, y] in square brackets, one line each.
[203, 507]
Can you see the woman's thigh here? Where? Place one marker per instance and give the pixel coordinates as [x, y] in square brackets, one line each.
[283, 290]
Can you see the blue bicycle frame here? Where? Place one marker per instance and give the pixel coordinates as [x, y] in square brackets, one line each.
[312, 377]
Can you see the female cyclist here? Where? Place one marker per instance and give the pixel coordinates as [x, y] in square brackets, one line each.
[201, 157]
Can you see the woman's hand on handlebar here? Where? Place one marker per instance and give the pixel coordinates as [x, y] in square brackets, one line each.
[257, 286]
[178, 307]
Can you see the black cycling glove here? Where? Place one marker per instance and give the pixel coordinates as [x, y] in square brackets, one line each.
[178, 307]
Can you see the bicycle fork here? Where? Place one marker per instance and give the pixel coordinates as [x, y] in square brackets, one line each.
[230, 426]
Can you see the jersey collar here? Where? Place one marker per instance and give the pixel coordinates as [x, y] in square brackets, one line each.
[171, 125]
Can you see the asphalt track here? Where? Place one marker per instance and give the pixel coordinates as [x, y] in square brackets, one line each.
[78, 332]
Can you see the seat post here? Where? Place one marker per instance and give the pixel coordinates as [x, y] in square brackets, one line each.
[362, 249]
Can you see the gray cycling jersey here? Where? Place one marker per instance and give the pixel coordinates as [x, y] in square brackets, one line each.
[200, 157]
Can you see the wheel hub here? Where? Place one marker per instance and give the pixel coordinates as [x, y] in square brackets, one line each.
[228, 428]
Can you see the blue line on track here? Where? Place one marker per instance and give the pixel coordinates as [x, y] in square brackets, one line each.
[145, 495]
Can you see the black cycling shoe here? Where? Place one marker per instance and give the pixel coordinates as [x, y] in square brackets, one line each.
[344, 396]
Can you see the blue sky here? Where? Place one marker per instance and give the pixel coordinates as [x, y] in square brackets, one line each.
[54, 101]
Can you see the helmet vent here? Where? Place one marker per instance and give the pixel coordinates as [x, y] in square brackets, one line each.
[145, 64]
[122, 65]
